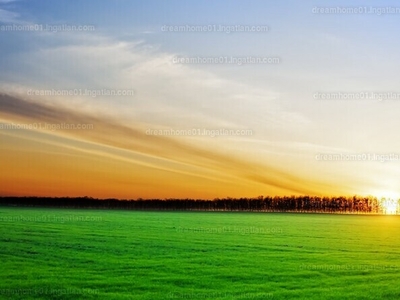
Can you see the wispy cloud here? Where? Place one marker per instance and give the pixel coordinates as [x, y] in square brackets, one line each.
[167, 94]
[8, 16]
[202, 161]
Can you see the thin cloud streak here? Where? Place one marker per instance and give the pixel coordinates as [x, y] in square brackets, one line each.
[111, 133]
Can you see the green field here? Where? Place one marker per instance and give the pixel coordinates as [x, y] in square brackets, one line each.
[99, 254]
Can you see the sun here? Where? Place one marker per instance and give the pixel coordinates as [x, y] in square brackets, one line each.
[389, 206]
[389, 200]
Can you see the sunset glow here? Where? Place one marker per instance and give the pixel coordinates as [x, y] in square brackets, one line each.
[182, 104]
[389, 206]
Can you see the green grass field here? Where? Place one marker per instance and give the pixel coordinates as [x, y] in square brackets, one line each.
[98, 254]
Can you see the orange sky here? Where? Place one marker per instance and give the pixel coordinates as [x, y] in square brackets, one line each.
[115, 160]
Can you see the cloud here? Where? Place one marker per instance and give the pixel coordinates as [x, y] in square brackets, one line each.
[8, 16]
[167, 153]
[167, 94]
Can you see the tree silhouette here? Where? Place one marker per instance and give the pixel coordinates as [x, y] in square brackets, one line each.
[299, 204]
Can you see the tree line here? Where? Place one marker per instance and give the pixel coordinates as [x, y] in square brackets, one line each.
[300, 204]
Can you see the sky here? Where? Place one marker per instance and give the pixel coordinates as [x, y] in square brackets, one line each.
[194, 99]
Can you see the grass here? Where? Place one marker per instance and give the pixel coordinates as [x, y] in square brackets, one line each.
[98, 254]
